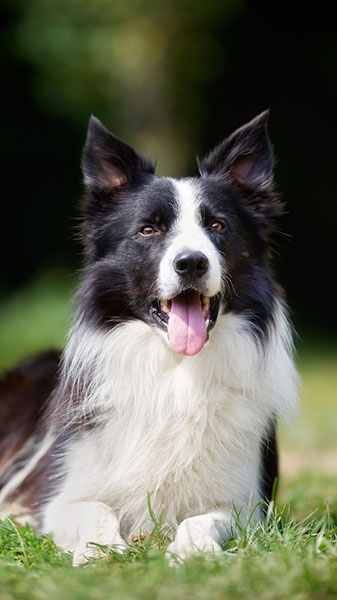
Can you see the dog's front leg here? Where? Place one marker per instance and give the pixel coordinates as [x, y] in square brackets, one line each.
[76, 526]
[202, 533]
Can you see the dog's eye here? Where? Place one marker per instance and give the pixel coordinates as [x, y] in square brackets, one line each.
[148, 230]
[217, 226]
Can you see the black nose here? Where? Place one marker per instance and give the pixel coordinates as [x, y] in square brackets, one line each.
[191, 264]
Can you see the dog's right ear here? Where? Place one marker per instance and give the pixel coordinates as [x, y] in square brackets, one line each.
[108, 163]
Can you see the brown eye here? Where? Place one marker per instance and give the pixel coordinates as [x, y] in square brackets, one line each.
[217, 226]
[148, 230]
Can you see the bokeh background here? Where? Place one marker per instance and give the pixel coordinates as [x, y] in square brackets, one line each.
[172, 78]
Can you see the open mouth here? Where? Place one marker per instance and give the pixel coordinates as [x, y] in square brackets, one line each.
[187, 318]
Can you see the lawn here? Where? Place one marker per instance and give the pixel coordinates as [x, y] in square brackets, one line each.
[286, 558]
[293, 555]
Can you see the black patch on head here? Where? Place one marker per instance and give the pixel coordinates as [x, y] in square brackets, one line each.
[243, 243]
[237, 182]
[120, 278]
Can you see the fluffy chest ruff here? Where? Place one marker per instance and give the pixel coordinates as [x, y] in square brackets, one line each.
[186, 430]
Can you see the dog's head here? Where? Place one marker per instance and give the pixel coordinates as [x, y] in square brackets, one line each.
[177, 253]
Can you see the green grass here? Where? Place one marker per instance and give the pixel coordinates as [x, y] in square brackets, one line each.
[283, 558]
[292, 556]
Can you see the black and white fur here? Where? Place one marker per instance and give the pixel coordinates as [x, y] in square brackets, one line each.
[131, 417]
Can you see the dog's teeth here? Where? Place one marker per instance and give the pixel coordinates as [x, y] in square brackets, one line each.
[207, 323]
[205, 310]
[164, 306]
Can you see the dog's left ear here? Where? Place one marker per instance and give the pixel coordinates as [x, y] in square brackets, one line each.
[108, 163]
[245, 157]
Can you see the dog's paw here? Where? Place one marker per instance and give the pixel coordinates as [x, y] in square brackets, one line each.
[176, 553]
[195, 535]
[83, 553]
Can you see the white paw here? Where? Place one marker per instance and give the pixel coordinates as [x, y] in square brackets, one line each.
[85, 552]
[178, 552]
[194, 536]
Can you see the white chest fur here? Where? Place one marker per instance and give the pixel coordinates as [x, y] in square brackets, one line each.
[187, 430]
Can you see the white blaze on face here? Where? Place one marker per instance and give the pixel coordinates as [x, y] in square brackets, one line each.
[188, 234]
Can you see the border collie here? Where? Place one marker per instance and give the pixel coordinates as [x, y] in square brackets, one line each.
[178, 364]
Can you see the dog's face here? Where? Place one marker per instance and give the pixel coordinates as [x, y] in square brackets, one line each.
[177, 253]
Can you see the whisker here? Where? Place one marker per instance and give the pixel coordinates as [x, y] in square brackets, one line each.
[229, 285]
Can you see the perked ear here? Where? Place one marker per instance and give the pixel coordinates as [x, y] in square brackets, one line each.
[245, 157]
[108, 163]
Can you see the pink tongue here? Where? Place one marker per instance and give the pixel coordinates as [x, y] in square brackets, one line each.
[186, 327]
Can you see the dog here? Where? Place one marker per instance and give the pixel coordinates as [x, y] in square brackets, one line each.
[178, 364]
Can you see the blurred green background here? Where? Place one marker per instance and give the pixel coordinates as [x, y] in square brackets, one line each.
[171, 78]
